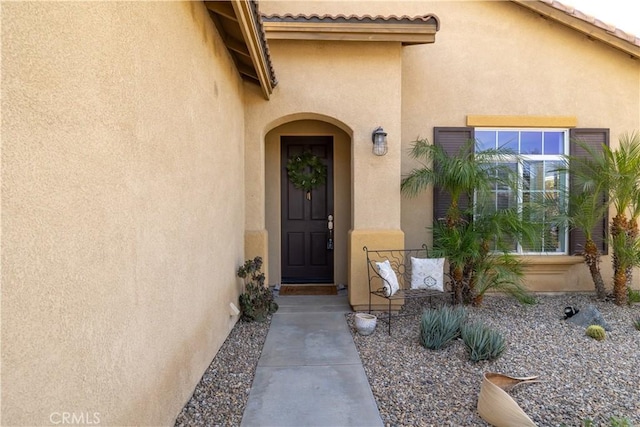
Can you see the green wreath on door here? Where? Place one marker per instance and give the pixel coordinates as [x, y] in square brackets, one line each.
[306, 171]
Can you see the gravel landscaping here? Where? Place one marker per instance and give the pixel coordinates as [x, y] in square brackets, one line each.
[222, 393]
[581, 378]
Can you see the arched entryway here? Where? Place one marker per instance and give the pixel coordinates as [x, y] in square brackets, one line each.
[297, 223]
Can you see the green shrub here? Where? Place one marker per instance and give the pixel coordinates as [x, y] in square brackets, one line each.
[619, 422]
[613, 422]
[634, 296]
[439, 326]
[596, 332]
[482, 342]
[636, 323]
[256, 303]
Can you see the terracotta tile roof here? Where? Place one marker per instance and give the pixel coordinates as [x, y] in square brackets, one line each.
[365, 19]
[404, 19]
[611, 29]
[255, 8]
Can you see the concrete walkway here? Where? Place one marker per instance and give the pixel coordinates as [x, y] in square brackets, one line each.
[310, 373]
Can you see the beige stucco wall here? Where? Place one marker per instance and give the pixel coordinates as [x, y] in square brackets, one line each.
[355, 86]
[341, 190]
[122, 208]
[498, 58]
[351, 86]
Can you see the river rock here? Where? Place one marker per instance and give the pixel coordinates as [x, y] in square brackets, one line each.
[589, 316]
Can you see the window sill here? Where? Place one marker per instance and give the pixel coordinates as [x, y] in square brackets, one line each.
[550, 264]
[552, 259]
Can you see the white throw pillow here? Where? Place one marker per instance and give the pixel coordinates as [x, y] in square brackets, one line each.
[427, 273]
[390, 281]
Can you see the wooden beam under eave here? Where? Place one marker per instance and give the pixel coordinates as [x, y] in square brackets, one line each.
[248, 71]
[249, 24]
[237, 46]
[223, 8]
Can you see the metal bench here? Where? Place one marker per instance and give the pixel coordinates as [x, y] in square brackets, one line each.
[400, 261]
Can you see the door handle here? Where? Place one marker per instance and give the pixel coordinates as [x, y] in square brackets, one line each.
[330, 227]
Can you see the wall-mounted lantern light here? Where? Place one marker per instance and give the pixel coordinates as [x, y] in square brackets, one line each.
[379, 138]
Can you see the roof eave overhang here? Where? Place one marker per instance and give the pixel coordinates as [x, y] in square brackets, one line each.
[249, 27]
[407, 34]
[238, 22]
[592, 31]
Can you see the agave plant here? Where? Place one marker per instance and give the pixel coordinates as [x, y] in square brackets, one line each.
[439, 326]
[482, 342]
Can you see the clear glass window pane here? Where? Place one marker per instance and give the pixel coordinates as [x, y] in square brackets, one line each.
[508, 140]
[532, 206]
[551, 238]
[506, 200]
[539, 199]
[486, 204]
[553, 178]
[554, 143]
[485, 140]
[533, 175]
[506, 174]
[561, 232]
[531, 143]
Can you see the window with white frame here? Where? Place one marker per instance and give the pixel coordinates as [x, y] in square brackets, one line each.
[537, 161]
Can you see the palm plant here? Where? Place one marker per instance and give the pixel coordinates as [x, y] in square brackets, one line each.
[468, 238]
[625, 193]
[586, 207]
[586, 210]
[460, 174]
[624, 163]
[503, 273]
[479, 255]
[631, 142]
[615, 173]
[497, 268]
[628, 256]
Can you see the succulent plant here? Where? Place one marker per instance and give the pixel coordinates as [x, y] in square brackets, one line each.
[482, 342]
[619, 422]
[633, 296]
[439, 326]
[596, 332]
[256, 303]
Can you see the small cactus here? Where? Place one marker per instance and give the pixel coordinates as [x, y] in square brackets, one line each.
[596, 332]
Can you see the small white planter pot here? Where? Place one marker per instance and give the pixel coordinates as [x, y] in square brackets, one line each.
[365, 323]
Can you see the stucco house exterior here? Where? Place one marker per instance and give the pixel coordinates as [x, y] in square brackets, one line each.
[144, 151]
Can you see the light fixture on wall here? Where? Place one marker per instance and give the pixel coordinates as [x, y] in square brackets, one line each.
[379, 138]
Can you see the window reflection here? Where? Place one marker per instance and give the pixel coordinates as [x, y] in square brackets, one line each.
[540, 198]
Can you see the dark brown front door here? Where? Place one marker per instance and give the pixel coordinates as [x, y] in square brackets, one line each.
[307, 251]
